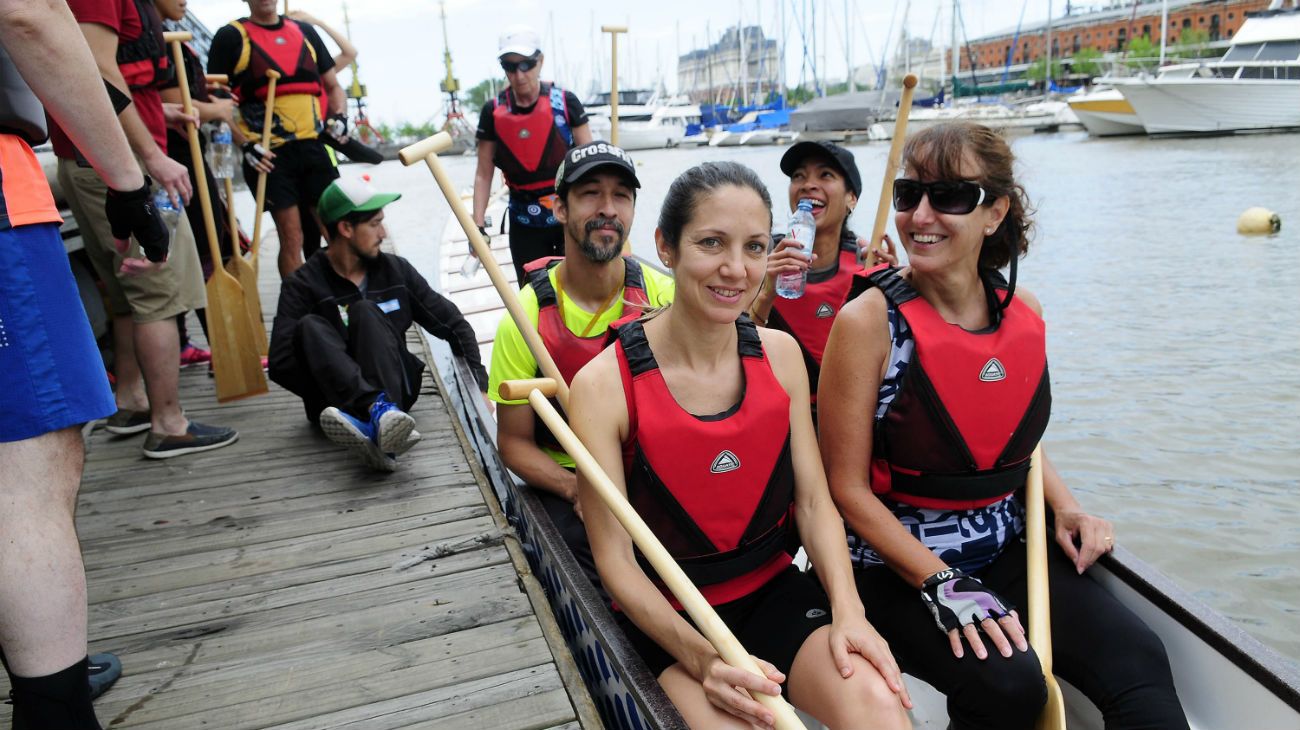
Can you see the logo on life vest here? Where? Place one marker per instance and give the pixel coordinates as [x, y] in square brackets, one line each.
[279, 41]
[824, 311]
[993, 371]
[725, 462]
[524, 134]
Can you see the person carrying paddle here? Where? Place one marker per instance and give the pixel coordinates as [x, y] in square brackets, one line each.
[525, 131]
[51, 375]
[339, 337]
[297, 166]
[144, 297]
[702, 418]
[826, 174]
[573, 301]
[934, 392]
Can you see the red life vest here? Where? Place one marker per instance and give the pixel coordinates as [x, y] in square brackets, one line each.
[145, 61]
[285, 50]
[531, 146]
[972, 405]
[809, 318]
[718, 490]
[569, 351]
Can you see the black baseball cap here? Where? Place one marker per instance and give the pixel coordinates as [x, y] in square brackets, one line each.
[842, 158]
[581, 160]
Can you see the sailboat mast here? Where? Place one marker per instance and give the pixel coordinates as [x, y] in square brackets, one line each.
[1164, 28]
[956, 58]
[848, 47]
[449, 84]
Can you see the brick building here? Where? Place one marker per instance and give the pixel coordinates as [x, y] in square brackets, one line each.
[1109, 30]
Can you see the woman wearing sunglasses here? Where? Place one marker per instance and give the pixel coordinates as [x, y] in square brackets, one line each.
[949, 359]
[826, 174]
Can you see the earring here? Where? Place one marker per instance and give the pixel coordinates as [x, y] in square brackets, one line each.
[988, 231]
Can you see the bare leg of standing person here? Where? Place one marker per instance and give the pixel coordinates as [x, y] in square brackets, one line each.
[289, 228]
[42, 579]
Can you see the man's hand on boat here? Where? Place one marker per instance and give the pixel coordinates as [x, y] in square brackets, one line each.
[962, 607]
[723, 684]
[1083, 537]
[851, 633]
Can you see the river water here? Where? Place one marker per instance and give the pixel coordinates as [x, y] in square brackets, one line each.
[1174, 342]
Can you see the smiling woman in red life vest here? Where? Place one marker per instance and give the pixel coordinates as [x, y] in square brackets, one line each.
[702, 419]
[934, 391]
[826, 174]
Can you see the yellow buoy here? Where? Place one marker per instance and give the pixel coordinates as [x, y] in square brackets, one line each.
[1257, 221]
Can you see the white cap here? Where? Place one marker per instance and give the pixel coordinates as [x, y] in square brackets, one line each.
[519, 39]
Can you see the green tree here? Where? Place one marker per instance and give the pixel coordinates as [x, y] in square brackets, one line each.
[1192, 43]
[1142, 54]
[1037, 70]
[1086, 62]
[478, 95]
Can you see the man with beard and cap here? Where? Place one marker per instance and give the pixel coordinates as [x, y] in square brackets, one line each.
[573, 300]
[339, 338]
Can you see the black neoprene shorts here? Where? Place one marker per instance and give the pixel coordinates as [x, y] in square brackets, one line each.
[303, 169]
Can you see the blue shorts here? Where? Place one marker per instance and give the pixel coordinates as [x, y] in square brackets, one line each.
[51, 374]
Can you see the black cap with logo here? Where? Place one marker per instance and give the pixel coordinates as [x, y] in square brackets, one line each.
[842, 158]
[581, 160]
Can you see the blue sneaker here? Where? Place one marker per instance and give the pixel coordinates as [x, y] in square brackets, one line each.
[391, 425]
[357, 435]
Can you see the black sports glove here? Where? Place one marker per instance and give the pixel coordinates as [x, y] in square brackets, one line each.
[133, 214]
[956, 599]
[254, 153]
[337, 126]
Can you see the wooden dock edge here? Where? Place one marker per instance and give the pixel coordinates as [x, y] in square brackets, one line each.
[583, 706]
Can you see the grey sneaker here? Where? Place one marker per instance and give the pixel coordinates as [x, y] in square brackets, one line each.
[358, 436]
[126, 422]
[198, 437]
[104, 669]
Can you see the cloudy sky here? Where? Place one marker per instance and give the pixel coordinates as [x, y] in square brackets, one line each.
[401, 42]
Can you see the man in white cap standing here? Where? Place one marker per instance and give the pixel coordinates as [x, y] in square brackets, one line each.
[526, 131]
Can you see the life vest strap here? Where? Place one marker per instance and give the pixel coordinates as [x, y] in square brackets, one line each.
[984, 485]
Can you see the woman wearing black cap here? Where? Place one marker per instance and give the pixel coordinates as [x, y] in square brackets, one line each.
[826, 174]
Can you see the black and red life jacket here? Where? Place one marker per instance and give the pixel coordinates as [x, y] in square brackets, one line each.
[531, 146]
[972, 405]
[718, 490]
[809, 318]
[570, 351]
[283, 49]
[144, 61]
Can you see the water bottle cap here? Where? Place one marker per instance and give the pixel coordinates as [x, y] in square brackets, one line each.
[805, 204]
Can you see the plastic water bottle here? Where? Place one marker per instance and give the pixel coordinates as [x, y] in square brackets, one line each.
[802, 229]
[221, 152]
[170, 214]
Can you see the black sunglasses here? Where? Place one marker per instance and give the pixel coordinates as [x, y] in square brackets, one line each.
[524, 66]
[946, 196]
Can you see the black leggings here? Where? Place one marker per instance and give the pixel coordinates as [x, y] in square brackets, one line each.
[1098, 645]
[529, 244]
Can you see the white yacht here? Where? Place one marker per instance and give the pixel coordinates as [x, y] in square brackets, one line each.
[1254, 87]
[645, 120]
[1104, 112]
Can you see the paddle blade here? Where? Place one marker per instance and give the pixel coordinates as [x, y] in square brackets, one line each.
[236, 361]
[246, 275]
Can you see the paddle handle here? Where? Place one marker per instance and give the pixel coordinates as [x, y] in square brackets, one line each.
[702, 614]
[216, 78]
[891, 168]
[427, 150]
[176, 38]
[1040, 617]
[260, 195]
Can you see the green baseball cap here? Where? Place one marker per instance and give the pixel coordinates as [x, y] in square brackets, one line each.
[351, 195]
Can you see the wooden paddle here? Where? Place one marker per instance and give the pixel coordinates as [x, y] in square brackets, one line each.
[1040, 619]
[261, 176]
[702, 614]
[891, 168]
[427, 149]
[236, 360]
[246, 274]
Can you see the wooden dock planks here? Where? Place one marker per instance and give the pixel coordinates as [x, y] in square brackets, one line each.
[277, 583]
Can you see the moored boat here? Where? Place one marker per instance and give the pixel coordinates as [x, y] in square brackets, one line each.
[1104, 112]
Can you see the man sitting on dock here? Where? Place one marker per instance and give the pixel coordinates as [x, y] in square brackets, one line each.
[573, 301]
[339, 338]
